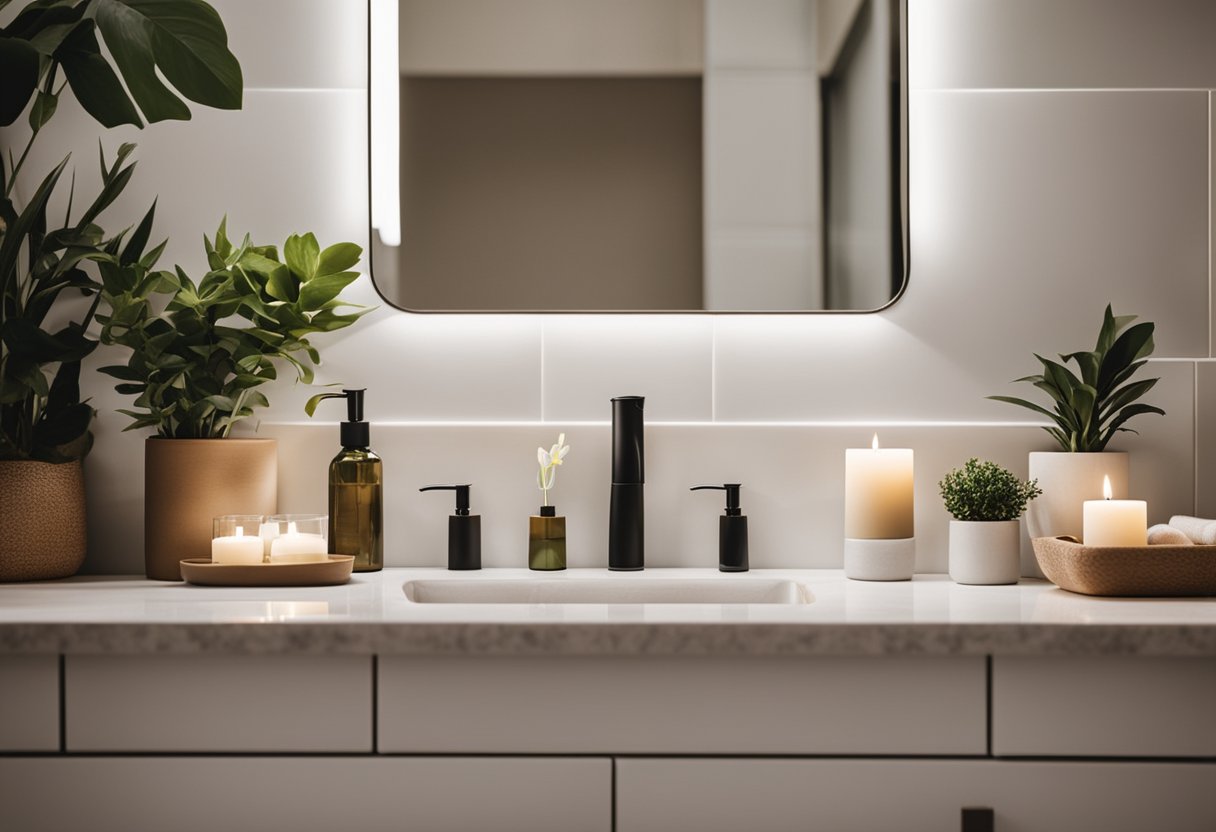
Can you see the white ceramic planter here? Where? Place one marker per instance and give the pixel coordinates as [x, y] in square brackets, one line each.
[985, 552]
[1067, 480]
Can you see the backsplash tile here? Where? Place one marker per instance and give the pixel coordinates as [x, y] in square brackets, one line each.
[591, 358]
[1205, 439]
[311, 44]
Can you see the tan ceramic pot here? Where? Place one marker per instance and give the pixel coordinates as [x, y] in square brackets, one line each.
[43, 533]
[187, 482]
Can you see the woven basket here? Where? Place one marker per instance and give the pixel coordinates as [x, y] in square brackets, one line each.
[1127, 570]
[43, 533]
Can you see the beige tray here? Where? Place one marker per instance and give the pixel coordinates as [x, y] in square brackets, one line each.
[1127, 570]
[329, 573]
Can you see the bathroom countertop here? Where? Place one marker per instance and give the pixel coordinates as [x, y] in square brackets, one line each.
[930, 615]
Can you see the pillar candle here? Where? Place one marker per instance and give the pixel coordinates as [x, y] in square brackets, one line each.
[1115, 522]
[878, 502]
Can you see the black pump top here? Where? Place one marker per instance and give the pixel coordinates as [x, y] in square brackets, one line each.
[732, 496]
[355, 433]
[462, 496]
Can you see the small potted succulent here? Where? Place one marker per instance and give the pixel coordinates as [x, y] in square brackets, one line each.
[1087, 410]
[985, 501]
[199, 352]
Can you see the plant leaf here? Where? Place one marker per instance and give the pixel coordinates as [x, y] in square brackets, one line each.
[321, 289]
[302, 255]
[191, 48]
[93, 82]
[338, 258]
[19, 78]
[129, 36]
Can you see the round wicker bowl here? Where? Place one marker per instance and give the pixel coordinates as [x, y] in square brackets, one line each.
[43, 533]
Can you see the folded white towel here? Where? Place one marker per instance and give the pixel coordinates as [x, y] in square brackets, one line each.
[1197, 529]
[1161, 535]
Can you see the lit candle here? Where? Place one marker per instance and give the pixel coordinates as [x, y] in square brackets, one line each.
[878, 493]
[1115, 522]
[238, 548]
[297, 547]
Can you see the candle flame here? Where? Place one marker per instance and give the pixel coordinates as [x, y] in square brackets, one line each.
[240, 531]
[1106, 489]
[874, 444]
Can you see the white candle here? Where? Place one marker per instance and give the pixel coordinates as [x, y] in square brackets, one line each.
[878, 493]
[238, 548]
[297, 547]
[1115, 522]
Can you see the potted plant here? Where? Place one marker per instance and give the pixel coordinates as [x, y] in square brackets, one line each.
[1087, 411]
[985, 501]
[195, 369]
[48, 260]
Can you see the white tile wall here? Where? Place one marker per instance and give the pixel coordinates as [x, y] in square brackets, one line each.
[1031, 208]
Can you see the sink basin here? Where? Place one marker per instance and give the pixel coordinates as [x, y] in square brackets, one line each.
[614, 589]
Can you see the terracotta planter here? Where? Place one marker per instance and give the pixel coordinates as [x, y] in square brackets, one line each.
[187, 482]
[1068, 480]
[43, 533]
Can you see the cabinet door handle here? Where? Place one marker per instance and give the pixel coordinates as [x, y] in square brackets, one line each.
[978, 819]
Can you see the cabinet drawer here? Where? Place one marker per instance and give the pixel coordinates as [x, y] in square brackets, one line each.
[305, 794]
[218, 703]
[687, 705]
[911, 795]
[1104, 706]
[29, 703]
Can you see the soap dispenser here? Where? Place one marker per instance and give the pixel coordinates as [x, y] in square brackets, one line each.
[464, 530]
[732, 529]
[356, 489]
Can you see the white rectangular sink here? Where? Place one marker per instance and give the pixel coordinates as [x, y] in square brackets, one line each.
[608, 589]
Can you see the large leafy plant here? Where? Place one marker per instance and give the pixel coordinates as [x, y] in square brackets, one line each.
[1090, 408]
[41, 414]
[195, 367]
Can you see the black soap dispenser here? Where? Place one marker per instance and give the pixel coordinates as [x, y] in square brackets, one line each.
[464, 530]
[732, 529]
[356, 489]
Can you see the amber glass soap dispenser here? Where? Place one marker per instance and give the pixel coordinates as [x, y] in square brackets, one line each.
[356, 490]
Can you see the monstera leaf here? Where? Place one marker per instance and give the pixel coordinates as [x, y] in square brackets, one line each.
[182, 40]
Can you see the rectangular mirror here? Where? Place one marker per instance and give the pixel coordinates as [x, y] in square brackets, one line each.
[638, 155]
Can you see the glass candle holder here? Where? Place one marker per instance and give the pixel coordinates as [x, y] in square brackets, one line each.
[296, 538]
[235, 539]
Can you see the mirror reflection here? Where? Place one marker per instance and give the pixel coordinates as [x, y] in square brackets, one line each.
[638, 155]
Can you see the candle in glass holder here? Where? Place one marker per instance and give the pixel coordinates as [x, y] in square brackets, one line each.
[236, 548]
[1115, 522]
[294, 546]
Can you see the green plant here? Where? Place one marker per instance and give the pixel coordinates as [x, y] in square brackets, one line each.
[1091, 409]
[41, 414]
[194, 368]
[983, 490]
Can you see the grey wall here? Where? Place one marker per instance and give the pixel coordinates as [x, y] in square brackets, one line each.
[1060, 159]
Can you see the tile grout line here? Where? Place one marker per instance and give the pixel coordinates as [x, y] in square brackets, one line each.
[542, 371]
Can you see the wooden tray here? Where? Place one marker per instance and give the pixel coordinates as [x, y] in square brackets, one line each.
[1127, 570]
[203, 572]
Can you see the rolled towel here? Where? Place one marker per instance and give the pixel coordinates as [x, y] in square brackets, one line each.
[1162, 534]
[1197, 529]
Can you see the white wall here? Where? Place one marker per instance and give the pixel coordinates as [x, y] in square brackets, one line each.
[1060, 159]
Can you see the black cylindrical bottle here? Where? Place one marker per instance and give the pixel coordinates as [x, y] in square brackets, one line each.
[627, 509]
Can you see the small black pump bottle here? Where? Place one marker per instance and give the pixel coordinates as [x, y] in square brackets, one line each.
[464, 530]
[627, 509]
[732, 529]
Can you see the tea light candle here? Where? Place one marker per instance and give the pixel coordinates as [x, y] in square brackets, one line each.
[878, 493]
[1115, 522]
[296, 547]
[238, 548]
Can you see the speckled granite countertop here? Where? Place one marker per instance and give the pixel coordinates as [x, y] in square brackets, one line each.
[930, 615]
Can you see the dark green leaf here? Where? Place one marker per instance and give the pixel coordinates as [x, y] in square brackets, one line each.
[44, 107]
[129, 37]
[19, 78]
[93, 82]
[191, 49]
[321, 289]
